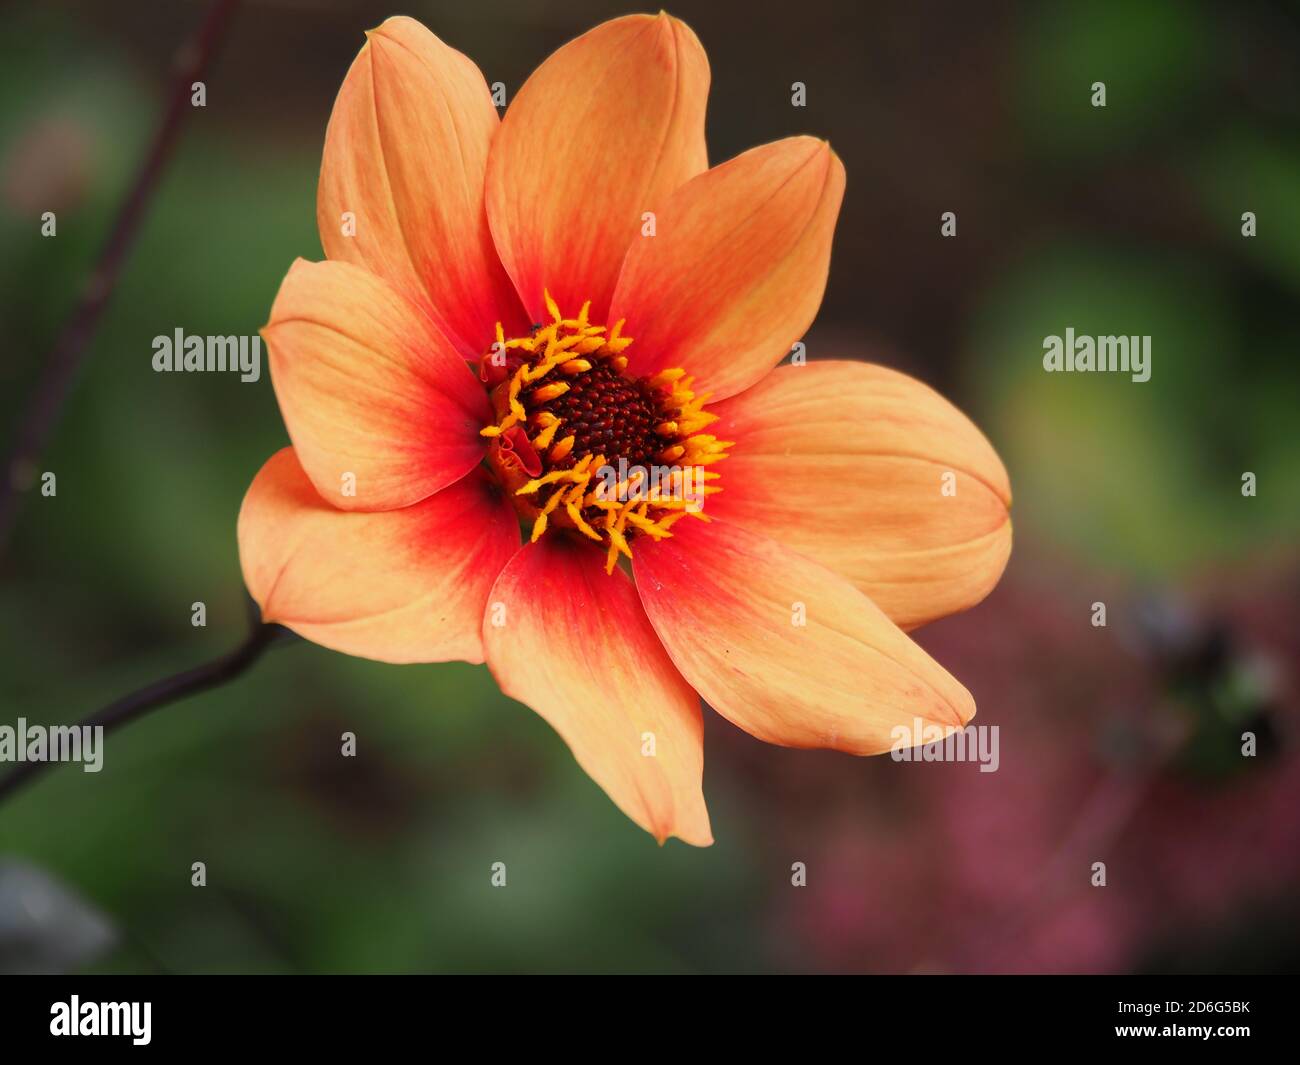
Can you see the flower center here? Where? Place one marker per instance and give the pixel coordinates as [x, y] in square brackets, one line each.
[584, 447]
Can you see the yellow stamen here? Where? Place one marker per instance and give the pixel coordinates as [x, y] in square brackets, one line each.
[583, 527]
[543, 439]
[561, 450]
[588, 499]
[549, 392]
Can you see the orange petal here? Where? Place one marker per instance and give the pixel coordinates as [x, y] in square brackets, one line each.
[575, 645]
[728, 603]
[846, 462]
[405, 154]
[737, 268]
[403, 585]
[368, 387]
[602, 132]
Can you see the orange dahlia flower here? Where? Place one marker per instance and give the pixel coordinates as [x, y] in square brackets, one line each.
[518, 319]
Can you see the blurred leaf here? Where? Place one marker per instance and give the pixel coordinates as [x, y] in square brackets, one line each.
[1152, 55]
[1143, 476]
[44, 926]
[1247, 171]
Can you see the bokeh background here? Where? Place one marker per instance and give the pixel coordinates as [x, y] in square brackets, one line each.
[1118, 744]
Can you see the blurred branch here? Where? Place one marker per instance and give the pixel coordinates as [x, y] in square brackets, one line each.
[69, 352]
[172, 689]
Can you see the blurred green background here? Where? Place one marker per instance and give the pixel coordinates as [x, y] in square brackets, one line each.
[1118, 744]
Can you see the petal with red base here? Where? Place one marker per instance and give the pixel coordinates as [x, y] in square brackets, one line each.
[785, 648]
[575, 645]
[736, 269]
[601, 133]
[405, 585]
[401, 181]
[874, 474]
[368, 387]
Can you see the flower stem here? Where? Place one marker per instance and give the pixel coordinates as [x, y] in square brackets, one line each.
[160, 693]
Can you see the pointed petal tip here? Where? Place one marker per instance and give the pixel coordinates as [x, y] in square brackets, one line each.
[389, 23]
[693, 835]
[387, 30]
[662, 836]
[965, 709]
[670, 24]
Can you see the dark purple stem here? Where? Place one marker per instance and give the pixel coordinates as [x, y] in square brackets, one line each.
[160, 693]
[69, 350]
